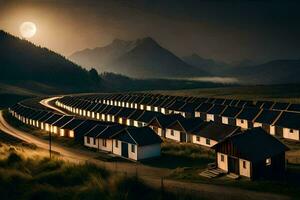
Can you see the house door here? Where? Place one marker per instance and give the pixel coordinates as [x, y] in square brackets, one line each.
[182, 137]
[125, 150]
[233, 165]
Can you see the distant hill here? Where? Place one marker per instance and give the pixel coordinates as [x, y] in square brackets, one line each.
[143, 58]
[215, 68]
[273, 72]
[22, 61]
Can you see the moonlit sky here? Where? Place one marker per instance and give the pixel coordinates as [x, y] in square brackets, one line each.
[223, 30]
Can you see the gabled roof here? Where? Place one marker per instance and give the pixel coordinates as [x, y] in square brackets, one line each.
[204, 107]
[187, 125]
[255, 144]
[264, 104]
[231, 111]
[147, 116]
[216, 109]
[289, 120]
[219, 101]
[86, 126]
[125, 112]
[176, 105]
[110, 131]
[73, 124]
[248, 113]
[165, 120]
[53, 118]
[234, 102]
[294, 107]
[136, 114]
[280, 106]
[62, 121]
[96, 130]
[267, 116]
[140, 136]
[227, 102]
[216, 131]
[45, 117]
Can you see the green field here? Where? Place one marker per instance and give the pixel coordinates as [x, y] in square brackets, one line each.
[284, 93]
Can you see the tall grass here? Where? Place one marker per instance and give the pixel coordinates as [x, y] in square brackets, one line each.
[23, 177]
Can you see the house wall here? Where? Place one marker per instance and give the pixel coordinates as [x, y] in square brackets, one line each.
[197, 114]
[132, 155]
[108, 146]
[222, 164]
[148, 151]
[210, 117]
[117, 150]
[203, 141]
[294, 135]
[225, 120]
[272, 130]
[247, 170]
[242, 123]
[256, 124]
[91, 143]
[175, 137]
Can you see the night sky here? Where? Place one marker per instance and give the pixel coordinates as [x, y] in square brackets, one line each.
[223, 30]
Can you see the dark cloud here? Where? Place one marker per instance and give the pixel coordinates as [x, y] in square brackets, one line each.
[224, 30]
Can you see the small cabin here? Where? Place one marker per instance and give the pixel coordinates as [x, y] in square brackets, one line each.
[160, 123]
[137, 143]
[288, 126]
[266, 119]
[253, 154]
[246, 117]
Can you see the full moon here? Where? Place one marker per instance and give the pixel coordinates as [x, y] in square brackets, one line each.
[28, 29]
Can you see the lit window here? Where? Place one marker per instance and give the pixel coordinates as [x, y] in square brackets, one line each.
[222, 158]
[116, 143]
[133, 148]
[208, 141]
[268, 161]
[198, 139]
[244, 164]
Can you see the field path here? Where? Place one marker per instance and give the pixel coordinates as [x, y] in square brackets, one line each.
[151, 175]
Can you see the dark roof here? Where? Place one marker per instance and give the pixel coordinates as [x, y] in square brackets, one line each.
[255, 144]
[227, 102]
[267, 116]
[289, 120]
[45, 117]
[53, 118]
[188, 124]
[136, 114]
[147, 116]
[110, 131]
[140, 136]
[294, 107]
[280, 106]
[190, 107]
[96, 130]
[216, 109]
[216, 131]
[219, 101]
[62, 121]
[234, 102]
[114, 110]
[204, 107]
[231, 111]
[248, 113]
[125, 112]
[73, 124]
[176, 105]
[166, 120]
[85, 126]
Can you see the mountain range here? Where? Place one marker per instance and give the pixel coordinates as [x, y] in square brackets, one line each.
[145, 58]
[142, 58]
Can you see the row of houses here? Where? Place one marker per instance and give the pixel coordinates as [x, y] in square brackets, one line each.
[152, 102]
[235, 152]
[129, 142]
[282, 124]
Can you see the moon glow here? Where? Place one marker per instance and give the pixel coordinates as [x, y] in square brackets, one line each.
[28, 29]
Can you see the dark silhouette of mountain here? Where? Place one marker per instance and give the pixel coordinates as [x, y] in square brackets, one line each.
[143, 58]
[213, 67]
[22, 61]
[273, 72]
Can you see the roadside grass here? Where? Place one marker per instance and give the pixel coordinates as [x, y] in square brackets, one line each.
[23, 177]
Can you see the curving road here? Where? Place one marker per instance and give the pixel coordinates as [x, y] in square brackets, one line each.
[150, 175]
